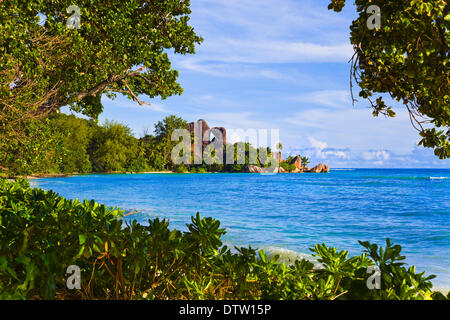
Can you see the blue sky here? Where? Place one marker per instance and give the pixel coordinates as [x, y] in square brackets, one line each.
[283, 65]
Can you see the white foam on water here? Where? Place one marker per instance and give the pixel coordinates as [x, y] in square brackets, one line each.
[439, 178]
[289, 256]
[33, 184]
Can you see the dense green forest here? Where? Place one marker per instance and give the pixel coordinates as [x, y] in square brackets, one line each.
[68, 144]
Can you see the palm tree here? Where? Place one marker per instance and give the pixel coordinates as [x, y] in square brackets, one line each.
[305, 161]
[279, 146]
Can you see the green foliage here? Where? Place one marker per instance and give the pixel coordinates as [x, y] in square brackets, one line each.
[243, 153]
[305, 161]
[38, 149]
[199, 169]
[67, 144]
[180, 168]
[76, 140]
[113, 147]
[41, 234]
[287, 166]
[44, 65]
[163, 136]
[407, 58]
[138, 164]
[117, 49]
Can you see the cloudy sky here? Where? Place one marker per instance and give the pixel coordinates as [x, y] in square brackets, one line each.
[267, 64]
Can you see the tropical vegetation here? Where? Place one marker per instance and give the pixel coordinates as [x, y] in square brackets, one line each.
[48, 62]
[42, 234]
[68, 144]
[405, 59]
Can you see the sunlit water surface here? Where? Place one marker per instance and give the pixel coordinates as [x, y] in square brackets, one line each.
[289, 213]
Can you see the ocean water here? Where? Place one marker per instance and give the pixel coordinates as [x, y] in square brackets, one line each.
[289, 213]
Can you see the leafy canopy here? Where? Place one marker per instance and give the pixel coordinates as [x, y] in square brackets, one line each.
[120, 48]
[408, 59]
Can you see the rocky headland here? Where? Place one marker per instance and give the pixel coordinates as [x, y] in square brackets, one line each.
[299, 168]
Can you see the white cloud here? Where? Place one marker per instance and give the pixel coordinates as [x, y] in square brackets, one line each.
[229, 70]
[325, 154]
[327, 98]
[272, 51]
[240, 35]
[156, 107]
[317, 144]
[356, 128]
[203, 99]
[379, 155]
[320, 150]
[269, 19]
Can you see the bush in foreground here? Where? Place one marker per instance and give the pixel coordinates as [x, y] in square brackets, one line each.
[41, 234]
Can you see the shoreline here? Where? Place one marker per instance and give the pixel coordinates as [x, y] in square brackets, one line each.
[443, 288]
[69, 175]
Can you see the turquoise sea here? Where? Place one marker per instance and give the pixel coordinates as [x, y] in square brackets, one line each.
[289, 213]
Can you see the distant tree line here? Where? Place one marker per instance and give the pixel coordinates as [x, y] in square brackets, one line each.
[68, 144]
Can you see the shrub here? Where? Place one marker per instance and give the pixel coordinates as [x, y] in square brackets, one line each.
[41, 234]
[287, 166]
[198, 169]
[181, 168]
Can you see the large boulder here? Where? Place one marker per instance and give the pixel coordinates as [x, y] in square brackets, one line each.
[253, 169]
[320, 168]
[297, 162]
[256, 169]
[223, 131]
[206, 132]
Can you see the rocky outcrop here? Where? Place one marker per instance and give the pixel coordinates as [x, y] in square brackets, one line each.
[207, 131]
[320, 168]
[256, 169]
[222, 130]
[252, 169]
[297, 162]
